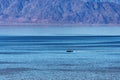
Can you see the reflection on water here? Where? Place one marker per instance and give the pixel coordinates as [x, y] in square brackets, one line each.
[45, 57]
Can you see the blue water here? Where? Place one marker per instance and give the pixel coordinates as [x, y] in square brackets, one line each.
[45, 58]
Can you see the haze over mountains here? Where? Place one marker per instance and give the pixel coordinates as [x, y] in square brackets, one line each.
[60, 11]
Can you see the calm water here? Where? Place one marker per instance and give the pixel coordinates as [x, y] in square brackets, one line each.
[45, 58]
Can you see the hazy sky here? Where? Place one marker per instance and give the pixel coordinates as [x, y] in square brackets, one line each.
[58, 31]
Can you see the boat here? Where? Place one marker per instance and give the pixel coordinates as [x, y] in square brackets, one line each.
[69, 50]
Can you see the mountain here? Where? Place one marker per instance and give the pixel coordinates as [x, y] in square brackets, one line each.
[60, 11]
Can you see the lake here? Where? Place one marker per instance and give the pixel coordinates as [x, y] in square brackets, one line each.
[45, 58]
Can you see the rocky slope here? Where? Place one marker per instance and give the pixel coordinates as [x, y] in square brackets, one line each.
[60, 11]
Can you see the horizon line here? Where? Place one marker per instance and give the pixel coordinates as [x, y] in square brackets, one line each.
[58, 24]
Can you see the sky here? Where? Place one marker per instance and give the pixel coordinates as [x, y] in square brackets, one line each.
[58, 31]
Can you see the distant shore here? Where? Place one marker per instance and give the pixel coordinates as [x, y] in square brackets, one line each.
[59, 24]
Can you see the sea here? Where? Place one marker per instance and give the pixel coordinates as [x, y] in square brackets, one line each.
[59, 57]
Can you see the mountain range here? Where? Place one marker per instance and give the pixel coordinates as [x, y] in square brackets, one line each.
[60, 11]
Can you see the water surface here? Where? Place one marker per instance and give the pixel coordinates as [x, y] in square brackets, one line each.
[45, 58]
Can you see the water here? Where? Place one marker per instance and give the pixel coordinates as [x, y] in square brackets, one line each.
[45, 58]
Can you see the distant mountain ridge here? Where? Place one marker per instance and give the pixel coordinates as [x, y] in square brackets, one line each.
[60, 11]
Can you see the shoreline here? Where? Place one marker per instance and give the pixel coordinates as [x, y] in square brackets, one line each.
[59, 24]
